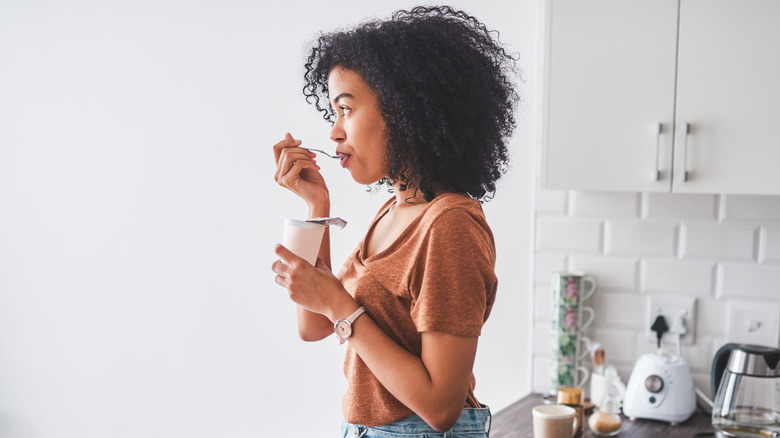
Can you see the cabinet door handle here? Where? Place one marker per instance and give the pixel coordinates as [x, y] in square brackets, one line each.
[657, 172]
[686, 130]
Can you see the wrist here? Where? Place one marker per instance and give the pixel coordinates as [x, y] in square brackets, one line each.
[343, 308]
[343, 327]
[319, 209]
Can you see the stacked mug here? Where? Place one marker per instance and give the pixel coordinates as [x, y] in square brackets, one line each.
[569, 347]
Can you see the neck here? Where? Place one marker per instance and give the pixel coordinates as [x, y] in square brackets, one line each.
[410, 196]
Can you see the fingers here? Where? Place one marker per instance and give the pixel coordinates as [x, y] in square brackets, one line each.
[292, 177]
[281, 267]
[292, 172]
[291, 160]
[288, 142]
[287, 256]
[286, 267]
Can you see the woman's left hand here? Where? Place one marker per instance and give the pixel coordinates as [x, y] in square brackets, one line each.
[314, 288]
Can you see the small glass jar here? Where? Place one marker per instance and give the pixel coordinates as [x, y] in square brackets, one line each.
[574, 397]
[605, 421]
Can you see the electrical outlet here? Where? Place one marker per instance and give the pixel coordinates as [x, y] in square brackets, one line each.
[754, 322]
[671, 309]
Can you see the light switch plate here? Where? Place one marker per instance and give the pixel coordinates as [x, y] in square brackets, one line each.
[671, 308]
[754, 322]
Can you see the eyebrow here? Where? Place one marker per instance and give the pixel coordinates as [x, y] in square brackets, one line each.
[341, 96]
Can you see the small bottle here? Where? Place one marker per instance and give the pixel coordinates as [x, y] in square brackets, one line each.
[574, 397]
[598, 360]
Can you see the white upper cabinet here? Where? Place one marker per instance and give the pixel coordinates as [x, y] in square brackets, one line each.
[728, 92]
[623, 79]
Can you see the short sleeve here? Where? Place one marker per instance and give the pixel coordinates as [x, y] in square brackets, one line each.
[453, 283]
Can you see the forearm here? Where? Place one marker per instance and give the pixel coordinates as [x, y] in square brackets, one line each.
[322, 209]
[314, 326]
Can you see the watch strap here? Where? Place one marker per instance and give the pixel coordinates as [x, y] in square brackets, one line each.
[348, 320]
[351, 318]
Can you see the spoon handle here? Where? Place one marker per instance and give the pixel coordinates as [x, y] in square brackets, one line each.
[323, 152]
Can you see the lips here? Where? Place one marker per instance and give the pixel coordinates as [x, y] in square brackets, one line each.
[344, 159]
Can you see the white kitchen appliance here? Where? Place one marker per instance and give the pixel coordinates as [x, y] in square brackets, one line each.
[660, 388]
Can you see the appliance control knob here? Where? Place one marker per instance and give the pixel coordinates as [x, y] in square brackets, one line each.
[654, 383]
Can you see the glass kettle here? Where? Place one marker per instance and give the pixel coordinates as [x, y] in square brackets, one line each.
[746, 381]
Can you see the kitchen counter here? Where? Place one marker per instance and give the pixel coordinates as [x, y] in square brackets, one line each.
[515, 421]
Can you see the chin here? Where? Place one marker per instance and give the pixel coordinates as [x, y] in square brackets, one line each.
[363, 180]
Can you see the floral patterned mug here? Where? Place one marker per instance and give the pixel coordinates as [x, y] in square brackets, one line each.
[567, 351]
[569, 290]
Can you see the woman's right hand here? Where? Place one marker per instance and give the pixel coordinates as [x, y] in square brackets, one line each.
[297, 171]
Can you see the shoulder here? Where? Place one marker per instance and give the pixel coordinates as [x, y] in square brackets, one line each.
[457, 222]
[452, 209]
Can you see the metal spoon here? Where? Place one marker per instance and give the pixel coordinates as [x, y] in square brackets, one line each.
[338, 157]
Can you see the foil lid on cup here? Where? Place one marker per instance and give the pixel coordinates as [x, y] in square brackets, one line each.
[328, 221]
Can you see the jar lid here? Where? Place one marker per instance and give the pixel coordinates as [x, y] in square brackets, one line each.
[570, 396]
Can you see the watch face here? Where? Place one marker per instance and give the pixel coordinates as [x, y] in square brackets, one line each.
[343, 329]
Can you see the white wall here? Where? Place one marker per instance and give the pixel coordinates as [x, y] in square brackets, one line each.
[138, 214]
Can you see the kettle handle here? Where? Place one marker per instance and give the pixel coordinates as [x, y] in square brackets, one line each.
[719, 365]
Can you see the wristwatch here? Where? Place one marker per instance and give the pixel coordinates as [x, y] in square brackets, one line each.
[343, 327]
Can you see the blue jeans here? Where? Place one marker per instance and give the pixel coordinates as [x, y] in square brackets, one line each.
[473, 423]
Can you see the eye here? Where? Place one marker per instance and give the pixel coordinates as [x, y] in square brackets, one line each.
[345, 110]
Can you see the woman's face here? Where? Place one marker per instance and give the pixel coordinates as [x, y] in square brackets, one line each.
[359, 130]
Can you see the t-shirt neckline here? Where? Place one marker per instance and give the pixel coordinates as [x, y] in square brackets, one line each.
[401, 237]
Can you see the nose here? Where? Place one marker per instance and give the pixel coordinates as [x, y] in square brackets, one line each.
[337, 133]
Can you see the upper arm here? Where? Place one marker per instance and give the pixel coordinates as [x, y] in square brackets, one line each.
[453, 281]
[449, 360]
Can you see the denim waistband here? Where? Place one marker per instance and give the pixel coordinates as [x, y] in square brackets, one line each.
[471, 421]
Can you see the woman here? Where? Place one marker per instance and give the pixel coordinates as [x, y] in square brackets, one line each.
[422, 102]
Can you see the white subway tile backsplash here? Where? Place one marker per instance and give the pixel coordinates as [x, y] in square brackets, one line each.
[770, 244]
[569, 234]
[752, 207]
[620, 346]
[541, 376]
[716, 248]
[618, 311]
[645, 345]
[545, 264]
[711, 318]
[678, 277]
[751, 281]
[641, 237]
[719, 241]
[604, 204]
[698, 355]
[543, 304]
[551, 201]
[611, 273]
[542, 342]
[703, 382]
[674, 206]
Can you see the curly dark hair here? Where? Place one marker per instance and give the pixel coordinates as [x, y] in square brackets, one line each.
[444, 89]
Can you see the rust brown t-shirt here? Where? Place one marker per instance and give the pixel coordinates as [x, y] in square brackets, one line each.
[439, 275]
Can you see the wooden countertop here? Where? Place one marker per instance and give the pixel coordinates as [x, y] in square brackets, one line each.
[515, 421]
